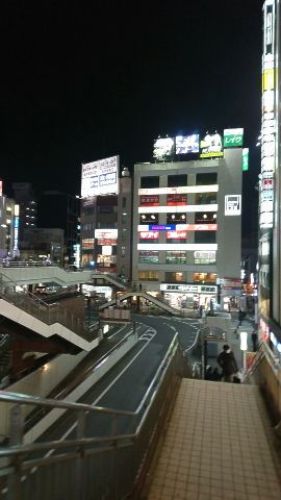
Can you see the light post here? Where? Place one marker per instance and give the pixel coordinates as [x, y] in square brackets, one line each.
[244, 348]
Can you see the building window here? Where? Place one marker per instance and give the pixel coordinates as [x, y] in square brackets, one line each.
[205, 218]
[148, 276]
[204, 257]
[204, 278]
[176, 277]
[176, 218]
[124, 202]
[205, 237]
[177, 180]
[148, 257]
[149, 219]
[206, 179]
[205, 198]
[150, 182]
[175, 257]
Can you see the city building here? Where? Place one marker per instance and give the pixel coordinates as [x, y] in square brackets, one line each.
[9, 227]
[106, 217]
[270, 182]
[24, 196]
[62, 210]
[43, 244]
[187, 222]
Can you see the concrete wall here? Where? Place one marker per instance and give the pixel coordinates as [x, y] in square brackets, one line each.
[39, 383]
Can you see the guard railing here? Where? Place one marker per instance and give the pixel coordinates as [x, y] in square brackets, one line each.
[103, 459]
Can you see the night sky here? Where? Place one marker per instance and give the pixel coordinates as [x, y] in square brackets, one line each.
[79, 83]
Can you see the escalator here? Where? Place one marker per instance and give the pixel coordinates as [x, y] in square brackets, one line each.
[157, 302]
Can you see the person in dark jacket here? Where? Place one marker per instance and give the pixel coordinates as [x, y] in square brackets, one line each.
[227, 362]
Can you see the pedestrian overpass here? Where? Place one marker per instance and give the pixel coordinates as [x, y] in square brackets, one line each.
[186, 439]
[29, 275]
[143, 295]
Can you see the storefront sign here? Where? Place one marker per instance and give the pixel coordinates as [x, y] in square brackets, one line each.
[176, 235]
[232, 204]
[233, 137]
[149, 235]
[185, 288]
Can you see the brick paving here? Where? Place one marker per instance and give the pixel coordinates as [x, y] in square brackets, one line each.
[218, 445]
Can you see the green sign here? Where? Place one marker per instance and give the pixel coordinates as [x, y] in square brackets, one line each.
[245, 159]
[233, 137]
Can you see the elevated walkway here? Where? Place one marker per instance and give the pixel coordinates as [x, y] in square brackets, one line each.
[218, 444]
[150, 298]
[47, 274]
[46, 320]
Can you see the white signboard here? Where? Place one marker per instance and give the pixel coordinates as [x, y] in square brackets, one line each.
[106, 234]
[163, 148]
[100, 177]
[232, 204]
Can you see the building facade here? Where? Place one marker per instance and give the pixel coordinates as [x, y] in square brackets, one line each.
[106, 218]
[187, 229]
[9, 228]
[270, 182]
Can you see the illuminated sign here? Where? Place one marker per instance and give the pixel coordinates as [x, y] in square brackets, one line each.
[211, 146]
[163, 148]
[170, 227]
[187, 144]
[176, 199]
[269, 114]
[88, 243]
[149, 235]
[245, 159]
[185, 288]
[212, 188]
[212, 207]
[100, 177]
[232, 204]
[106, 234]
[106, 250]
[176, 235]
[149, 200]
[178, 246]
[233, 137]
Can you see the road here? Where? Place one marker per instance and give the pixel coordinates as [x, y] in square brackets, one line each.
[124, 386]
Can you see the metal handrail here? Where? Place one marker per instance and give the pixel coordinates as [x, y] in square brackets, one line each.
[11, 397]
[49, 313]
[19, 461]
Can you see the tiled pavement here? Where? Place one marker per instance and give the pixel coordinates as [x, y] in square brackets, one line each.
[218, 446]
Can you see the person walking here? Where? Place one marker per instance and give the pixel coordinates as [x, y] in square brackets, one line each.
[227, 362]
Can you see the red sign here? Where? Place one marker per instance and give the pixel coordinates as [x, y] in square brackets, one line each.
[176, 199]
[149, 201]
[107, 242]
[176, 235]
[149, 235]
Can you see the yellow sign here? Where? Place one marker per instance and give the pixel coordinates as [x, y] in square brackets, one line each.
[268, 79]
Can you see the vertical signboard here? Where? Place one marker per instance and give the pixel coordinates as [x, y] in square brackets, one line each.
[268, 131]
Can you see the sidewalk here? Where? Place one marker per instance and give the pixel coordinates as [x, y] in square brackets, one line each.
[231, 327]
[218, 445]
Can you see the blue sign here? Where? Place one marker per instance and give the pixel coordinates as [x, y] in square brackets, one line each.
[171, 227]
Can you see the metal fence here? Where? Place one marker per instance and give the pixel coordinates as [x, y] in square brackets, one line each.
[108, 465]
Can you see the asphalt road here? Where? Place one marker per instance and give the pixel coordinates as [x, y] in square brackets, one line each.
[124, 386]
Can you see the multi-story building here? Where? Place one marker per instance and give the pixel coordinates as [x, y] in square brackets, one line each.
[270, 182]
[62, 210]
[106, 217]
[187, 227]
[24, 196]
[9, 228]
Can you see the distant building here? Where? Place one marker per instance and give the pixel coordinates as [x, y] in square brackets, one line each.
[25, 198]
[187, 228]
[62, 210]
[43, 244]
[9, 228]
[106, 217]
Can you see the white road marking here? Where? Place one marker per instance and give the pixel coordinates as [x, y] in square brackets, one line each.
[50, 452]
